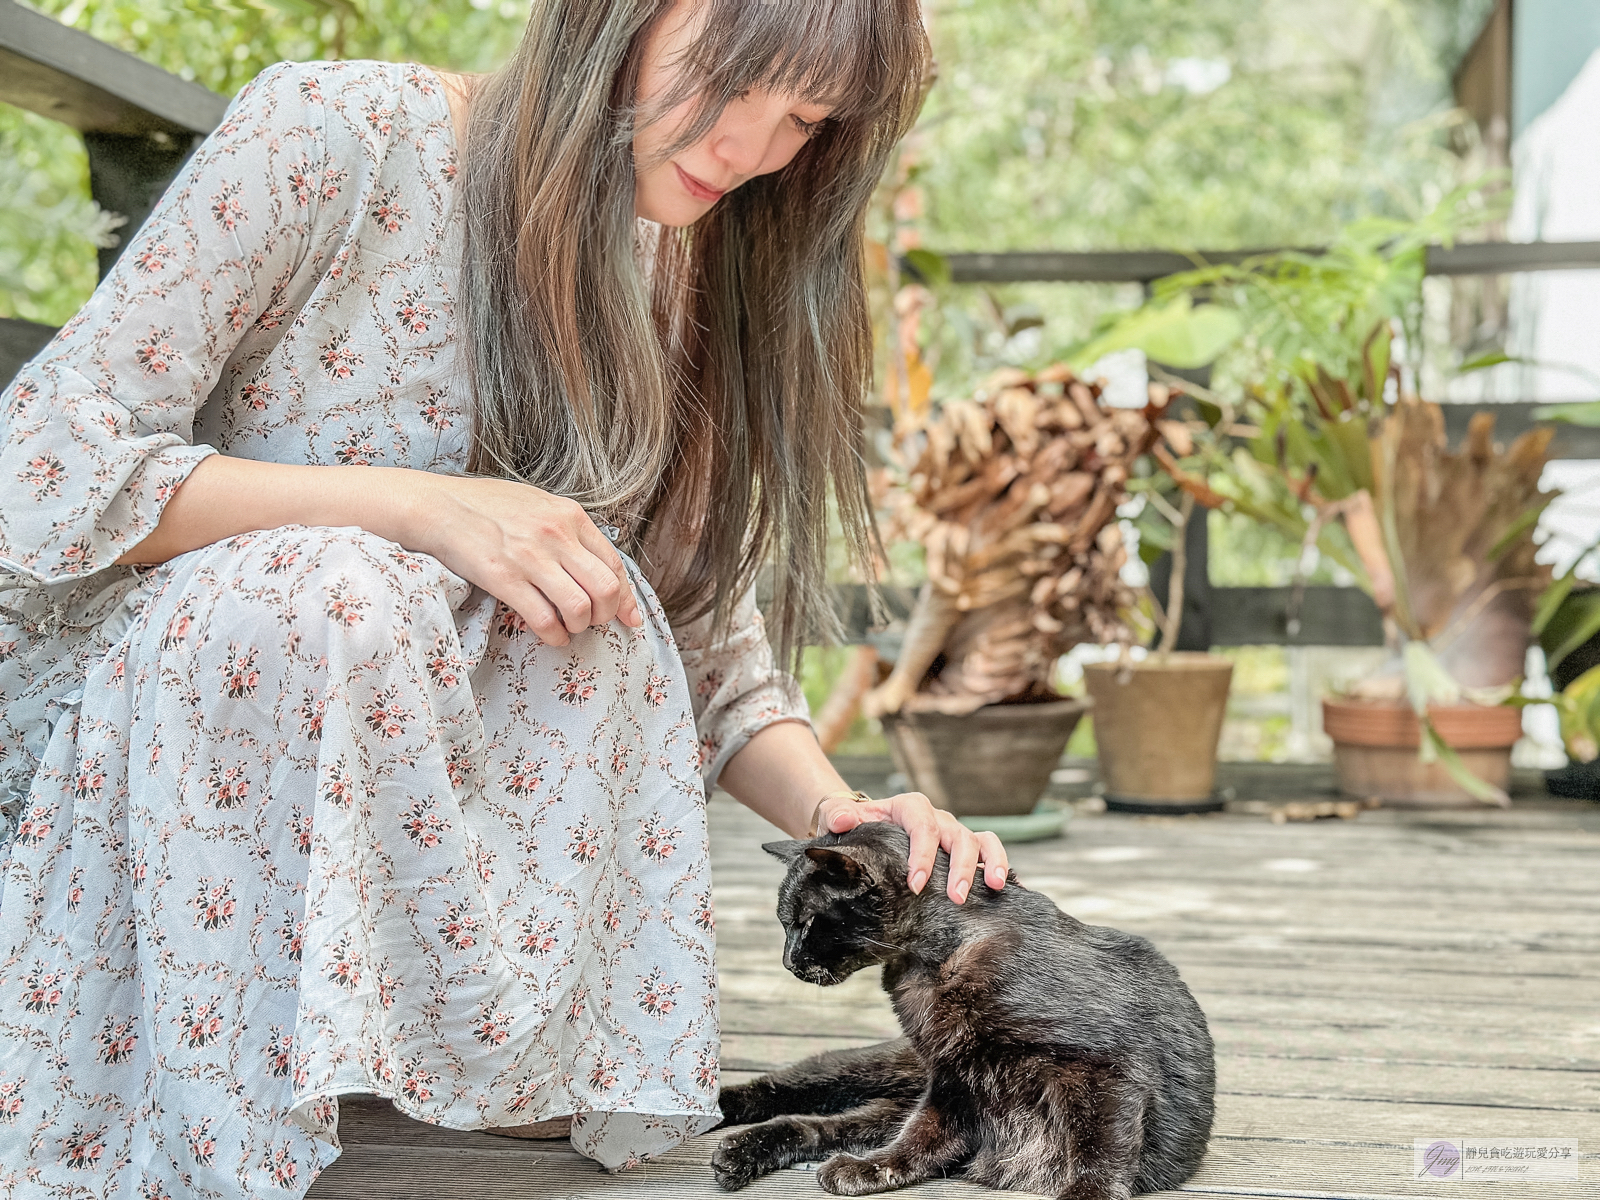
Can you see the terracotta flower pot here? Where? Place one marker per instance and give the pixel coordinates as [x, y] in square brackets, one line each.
[992, 762]
[1157, 726]
[1375, 746]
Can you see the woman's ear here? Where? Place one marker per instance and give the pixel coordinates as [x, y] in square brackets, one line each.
[838, 867]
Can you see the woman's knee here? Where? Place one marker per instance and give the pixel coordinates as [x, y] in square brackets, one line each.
[313, 589]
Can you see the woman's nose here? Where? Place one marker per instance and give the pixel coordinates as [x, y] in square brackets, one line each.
[743, 150]
[744, 137]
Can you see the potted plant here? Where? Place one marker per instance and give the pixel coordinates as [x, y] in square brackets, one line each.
[1335, 452]
[1013, 497]
[1441, 540]
[1158, 720]
[1448, 545]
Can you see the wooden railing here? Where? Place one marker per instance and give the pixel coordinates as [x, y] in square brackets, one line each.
[140, 123]
[1143, 266]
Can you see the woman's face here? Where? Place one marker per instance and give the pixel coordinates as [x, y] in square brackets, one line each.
[757, 133]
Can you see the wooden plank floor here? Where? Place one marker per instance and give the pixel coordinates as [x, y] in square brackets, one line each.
[1367, 982]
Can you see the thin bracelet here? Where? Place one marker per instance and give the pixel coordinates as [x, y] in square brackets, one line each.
[857, 795]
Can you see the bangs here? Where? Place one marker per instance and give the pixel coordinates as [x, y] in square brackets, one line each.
[861, 59]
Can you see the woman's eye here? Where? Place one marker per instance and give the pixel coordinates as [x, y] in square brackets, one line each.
[809, 128]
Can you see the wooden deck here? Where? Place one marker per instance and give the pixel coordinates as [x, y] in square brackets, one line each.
[1367, 982]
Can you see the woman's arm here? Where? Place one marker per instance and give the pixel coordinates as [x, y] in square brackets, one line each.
[781, 773]
[539, 553]
[97, 430]
[225, 496]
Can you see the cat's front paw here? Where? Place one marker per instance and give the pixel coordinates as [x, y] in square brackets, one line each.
[847, 1175]
[741, 1158]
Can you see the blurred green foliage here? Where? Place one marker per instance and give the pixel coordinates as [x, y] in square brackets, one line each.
[49, 228]
[1181, 124]
[1054, 123]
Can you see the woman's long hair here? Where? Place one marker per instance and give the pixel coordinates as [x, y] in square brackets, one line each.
[707, 409]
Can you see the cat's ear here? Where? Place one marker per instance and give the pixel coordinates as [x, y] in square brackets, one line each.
[841, 866]
[787, 851]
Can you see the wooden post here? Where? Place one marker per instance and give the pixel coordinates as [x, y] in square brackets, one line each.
[127, 174]
[139, 123]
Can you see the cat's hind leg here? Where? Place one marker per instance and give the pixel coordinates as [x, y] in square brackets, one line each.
[783, 1141]
[1097, 1118]
[935, 1141]
[835, 1082]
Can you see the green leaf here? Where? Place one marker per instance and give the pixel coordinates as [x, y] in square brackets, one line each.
[1514, 532]
[1375, 361]
[1484, 361]
[1590, 711]
[1579, 708]
[1427, 682]
[1581, 412]
[1560, 588]
[1388, 524]
[1550, 600]
[1181, 334]
[1349, 446]
[1586, 628]
[934, 268]
[1478, 789]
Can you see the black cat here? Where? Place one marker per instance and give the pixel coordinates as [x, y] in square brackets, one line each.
[1041, 1054]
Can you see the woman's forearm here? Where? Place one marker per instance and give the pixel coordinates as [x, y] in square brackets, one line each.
[225, 496]
[781, 773]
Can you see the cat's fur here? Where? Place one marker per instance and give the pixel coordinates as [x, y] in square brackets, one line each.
[1040, 1054]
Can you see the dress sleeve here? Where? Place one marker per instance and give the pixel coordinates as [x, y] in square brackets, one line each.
[734, 685]
[96, 431]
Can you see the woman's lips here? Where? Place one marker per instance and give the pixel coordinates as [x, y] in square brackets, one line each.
[695, 188]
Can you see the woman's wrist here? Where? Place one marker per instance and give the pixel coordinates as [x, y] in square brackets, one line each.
[781, 773]
[405, 507]
[224, 496]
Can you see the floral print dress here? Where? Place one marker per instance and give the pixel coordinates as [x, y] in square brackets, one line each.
[302, 813]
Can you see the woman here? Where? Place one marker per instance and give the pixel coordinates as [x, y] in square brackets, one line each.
[345, 752]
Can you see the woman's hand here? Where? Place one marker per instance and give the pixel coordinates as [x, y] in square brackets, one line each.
[538, 553]
[930, 828]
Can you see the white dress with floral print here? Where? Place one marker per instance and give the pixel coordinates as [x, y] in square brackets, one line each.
[303, 813]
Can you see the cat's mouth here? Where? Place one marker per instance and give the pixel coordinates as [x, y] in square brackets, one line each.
[816, 974]
[809, 972]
